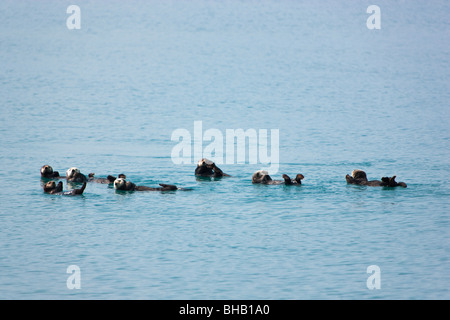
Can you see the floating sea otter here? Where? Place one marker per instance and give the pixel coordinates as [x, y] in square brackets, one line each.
[74, 175]
[52, 188]
[207, 168]
[359, 177]
[263, 177]
[122, 184]
[47, 172]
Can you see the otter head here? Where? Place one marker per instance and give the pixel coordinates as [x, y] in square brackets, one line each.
[205, 163]
[205, 167]
[49, 186]
[119, 183]
[70, 173]
[46, 170]
[261, 176]
[359, 175]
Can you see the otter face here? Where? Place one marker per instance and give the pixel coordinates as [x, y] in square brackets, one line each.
[46, 170]
[205, 163]
[261, 176]
[49, 186]
[359, 174]
[72, 172]
[205, 168]
[119, 183]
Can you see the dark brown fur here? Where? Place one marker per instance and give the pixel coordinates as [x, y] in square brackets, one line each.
[297, 181]
[359, 177]
[209, 170]
[47, 172]
[263, 177]
[52, 188]
[130, 186]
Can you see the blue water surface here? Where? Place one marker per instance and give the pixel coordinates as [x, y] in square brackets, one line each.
[106, 98]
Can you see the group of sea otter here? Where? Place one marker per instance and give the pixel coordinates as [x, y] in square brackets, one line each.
[205, 168]
[75, 176]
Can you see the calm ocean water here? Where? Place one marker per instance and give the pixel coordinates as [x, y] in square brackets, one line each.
[106, 98]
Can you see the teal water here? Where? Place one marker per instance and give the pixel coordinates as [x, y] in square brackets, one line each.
[107, 98]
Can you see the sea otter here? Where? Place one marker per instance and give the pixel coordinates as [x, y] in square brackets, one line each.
[263, 177]
[207, 168]
[47, 172]
[52, 188]
[74, 175]
[359, 177]
[108, 180]
[122, 184]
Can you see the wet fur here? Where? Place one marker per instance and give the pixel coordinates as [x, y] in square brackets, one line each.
[297, 181]
[48, 173]
[74, 175]
[52, 188]
[263, 177]
[359, 177]
[207, 168]
[122, 184]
